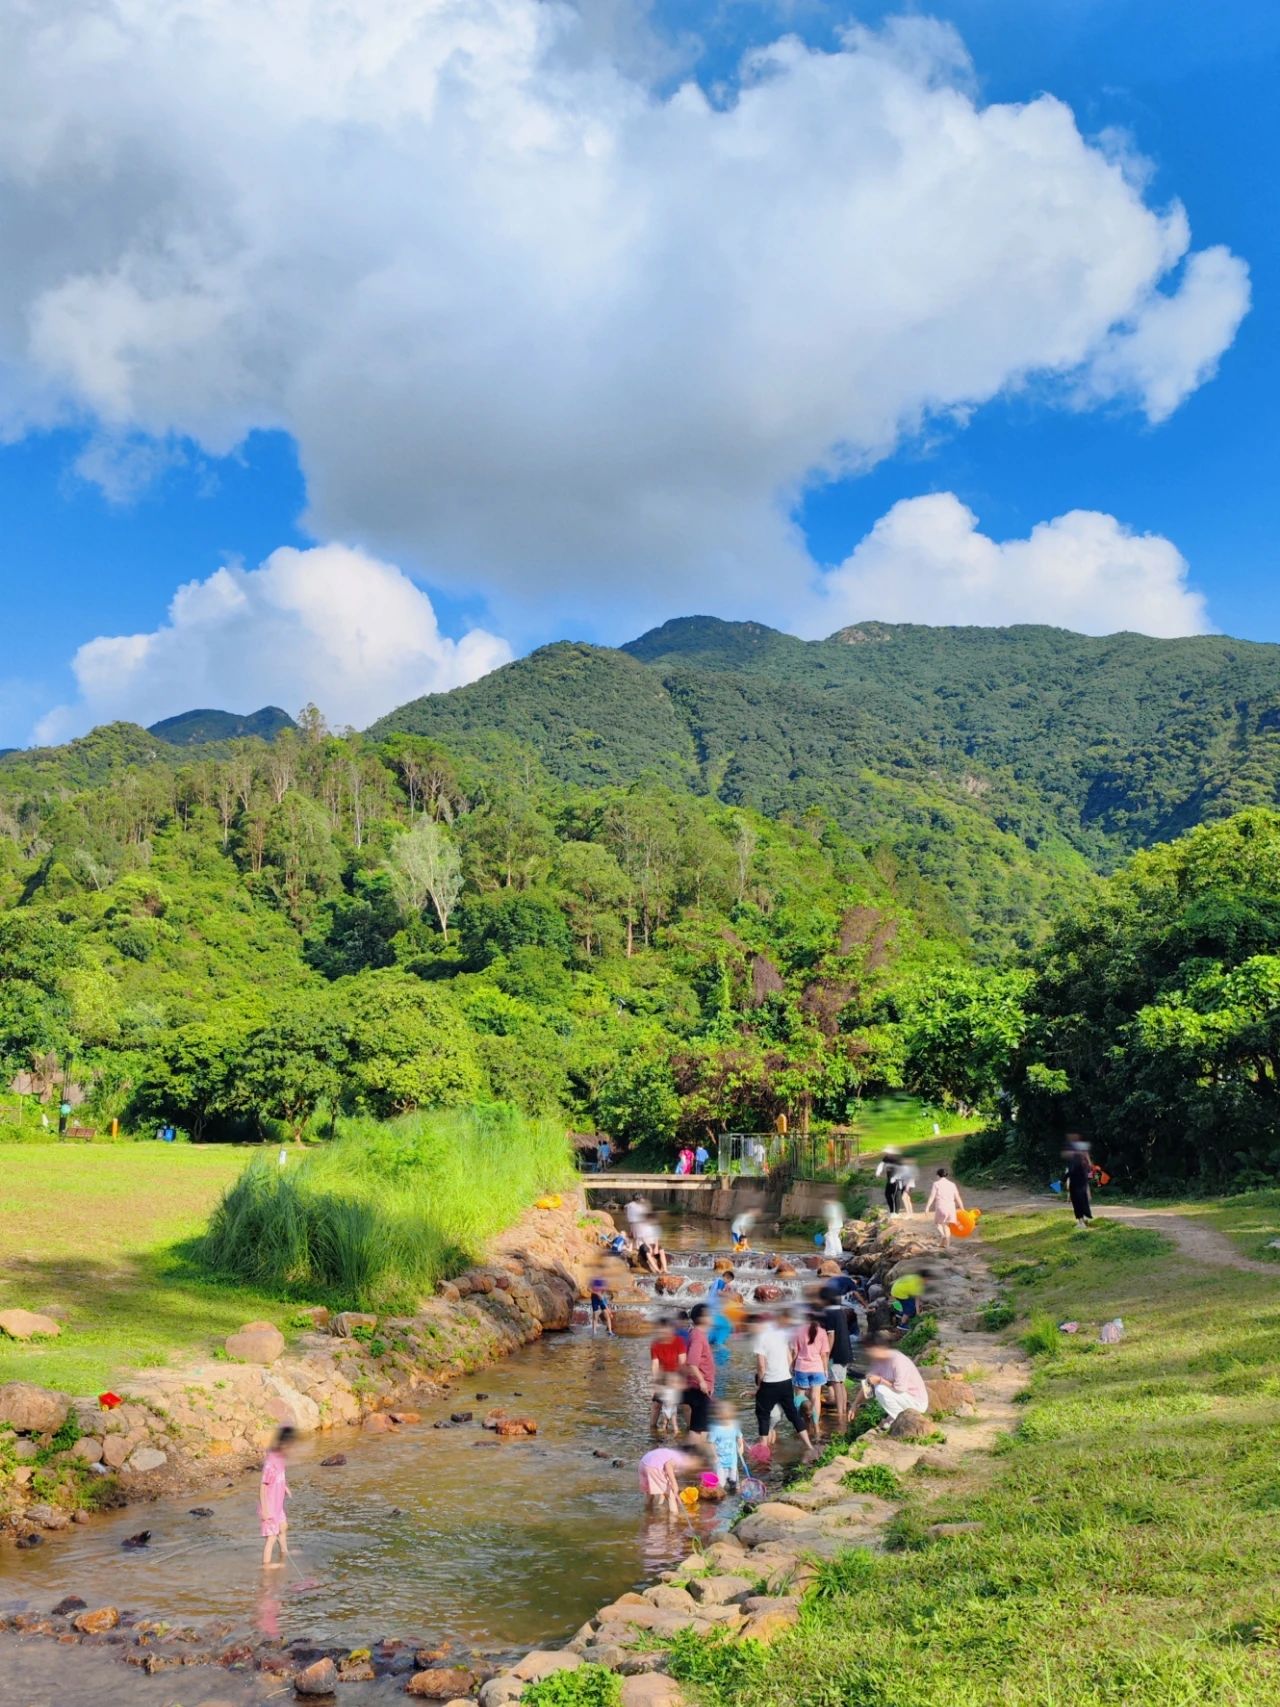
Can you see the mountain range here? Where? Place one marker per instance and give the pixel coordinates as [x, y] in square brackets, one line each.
[988, 773]
[997, 767]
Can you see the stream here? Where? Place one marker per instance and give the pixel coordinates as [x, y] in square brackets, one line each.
[446, 1537]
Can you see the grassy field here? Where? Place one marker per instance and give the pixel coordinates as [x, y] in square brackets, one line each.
[906, 1123]
[92, 1229]
[1128, 1552]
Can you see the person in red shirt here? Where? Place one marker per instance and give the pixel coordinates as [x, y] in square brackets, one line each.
[666, 1358]
[700, 1372]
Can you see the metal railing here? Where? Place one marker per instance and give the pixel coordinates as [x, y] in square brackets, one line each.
[797, 1155]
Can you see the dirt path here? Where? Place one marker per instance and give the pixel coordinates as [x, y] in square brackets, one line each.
[1202, 1243]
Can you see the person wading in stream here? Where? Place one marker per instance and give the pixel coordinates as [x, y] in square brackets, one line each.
[700, 1370]
[772, 1346]
[272, 1494]
[666, 1362]
[835, 1319]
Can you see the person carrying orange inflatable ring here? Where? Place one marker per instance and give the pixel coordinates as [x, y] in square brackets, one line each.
[945, 1205]
[965, 1222]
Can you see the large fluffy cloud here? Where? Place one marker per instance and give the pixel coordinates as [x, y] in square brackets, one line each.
[926, 561]
[332, 625]
[536, 326]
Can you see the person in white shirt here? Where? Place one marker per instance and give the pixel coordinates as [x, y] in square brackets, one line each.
[772, 1345]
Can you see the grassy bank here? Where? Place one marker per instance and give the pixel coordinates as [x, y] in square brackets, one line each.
[381, 1215]
[1128, 1549]
[94, 1230]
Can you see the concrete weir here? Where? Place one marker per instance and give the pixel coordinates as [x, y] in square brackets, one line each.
[683, 1194]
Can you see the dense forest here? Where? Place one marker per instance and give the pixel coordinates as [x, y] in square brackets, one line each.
[716, 876]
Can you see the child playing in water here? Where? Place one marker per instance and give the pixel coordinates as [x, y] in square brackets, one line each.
[725, 1439]
[660, 1471]
[272, 1494]
[601, 1305]
[670, 1394]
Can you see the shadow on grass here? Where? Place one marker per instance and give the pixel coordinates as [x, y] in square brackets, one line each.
[140, 1310]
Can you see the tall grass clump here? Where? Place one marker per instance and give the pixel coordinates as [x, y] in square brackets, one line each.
[381, 1215]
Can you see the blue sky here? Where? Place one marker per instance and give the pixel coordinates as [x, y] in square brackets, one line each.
[94, 554]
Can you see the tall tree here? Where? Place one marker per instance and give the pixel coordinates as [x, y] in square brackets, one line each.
[425, 867]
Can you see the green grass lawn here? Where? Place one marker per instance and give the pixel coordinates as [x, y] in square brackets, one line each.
[1128, 1554]
[93, 1228]
[906, 1123]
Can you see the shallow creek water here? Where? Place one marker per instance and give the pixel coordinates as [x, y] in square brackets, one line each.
[446, 1537]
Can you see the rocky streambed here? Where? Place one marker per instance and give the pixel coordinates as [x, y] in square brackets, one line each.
[186, 1426]
[439, 1557]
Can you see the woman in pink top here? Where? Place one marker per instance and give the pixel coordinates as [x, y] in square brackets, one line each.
[894, 1382]
[810, 1350]
[272, 1494]
[945, 1203]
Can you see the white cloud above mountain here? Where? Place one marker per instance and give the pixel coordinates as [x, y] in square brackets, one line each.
[927, 561]
[330, 625]
[541, 328]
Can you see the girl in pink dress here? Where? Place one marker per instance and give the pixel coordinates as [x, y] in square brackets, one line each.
[272, 1494]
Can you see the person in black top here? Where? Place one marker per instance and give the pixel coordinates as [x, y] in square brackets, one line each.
[835, 1319]
[1079, 1174]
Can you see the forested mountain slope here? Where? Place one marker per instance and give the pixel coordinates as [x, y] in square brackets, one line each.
[1098, 744]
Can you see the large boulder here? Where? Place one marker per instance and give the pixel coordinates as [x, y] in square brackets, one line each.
[910, 1425]
[255, 1342]
[318, 1679]
[98, 1622]
[28, 1324]
[145, 1460]
[632, 1324]
[29, 1409]
[115, 1449]
[345, 1323]
[948, 1394]
[441, 1683]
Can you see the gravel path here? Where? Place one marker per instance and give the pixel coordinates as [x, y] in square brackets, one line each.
[1202, 1243]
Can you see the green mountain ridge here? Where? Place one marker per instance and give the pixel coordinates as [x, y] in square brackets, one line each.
[1003, 762]
[196, 728]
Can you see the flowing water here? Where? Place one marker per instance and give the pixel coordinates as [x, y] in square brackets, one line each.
[447, 1537]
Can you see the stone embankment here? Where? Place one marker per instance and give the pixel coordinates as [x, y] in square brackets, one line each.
[749, 1584]
[179, 1427]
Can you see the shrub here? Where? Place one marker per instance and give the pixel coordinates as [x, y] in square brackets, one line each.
[869, 1417]
[1042, 1338]
[850, 1573]
[922, 1332]
[874, 1479]
[997, 1314]
[719, 1667]
[380, 1216]
[589, 1686]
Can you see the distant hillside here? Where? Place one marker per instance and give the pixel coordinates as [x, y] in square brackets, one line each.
[1107, 742]
[956, 752]
[197, 728]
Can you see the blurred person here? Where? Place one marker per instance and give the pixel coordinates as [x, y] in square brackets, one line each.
[945, 1203]
[771, 1345]
[700, 1371]
[894, 1382]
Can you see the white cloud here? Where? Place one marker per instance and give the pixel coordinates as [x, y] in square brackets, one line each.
[331, 625]
[536, 328]
[926, 561]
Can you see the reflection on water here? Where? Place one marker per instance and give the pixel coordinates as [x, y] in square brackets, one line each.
[445, 1536]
